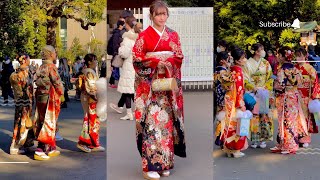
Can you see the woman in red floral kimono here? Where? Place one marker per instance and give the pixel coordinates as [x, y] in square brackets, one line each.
[309, 90]
[21, 82]
[288, 104]
[233, 143]
[48, 93]
[89, 138]
[159, 115]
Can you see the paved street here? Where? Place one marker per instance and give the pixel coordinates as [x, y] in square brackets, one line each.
[71, 164]
[124, 161]
[260, 164]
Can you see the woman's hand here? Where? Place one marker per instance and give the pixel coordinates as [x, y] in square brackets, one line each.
[161, 64]
[271, 102]
[243, 108]
[161, 67]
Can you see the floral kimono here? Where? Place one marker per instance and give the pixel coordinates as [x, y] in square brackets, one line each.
[233, 101]
[288, 104]
[257, 74]
[309, 89]
[48, 93]
[159, 115]
[91, 124]
[219, 95]
[21, 82]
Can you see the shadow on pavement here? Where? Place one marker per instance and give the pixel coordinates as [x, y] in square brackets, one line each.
[68, 145]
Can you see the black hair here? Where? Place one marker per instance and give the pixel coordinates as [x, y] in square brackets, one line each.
[310, 47]
[255, 47]
[222, 56]
[89, 57]
[126, 13]
[222, 43]
[237, 53]
[301, 51]
[120, 23]
[22, 56]
[283, 51]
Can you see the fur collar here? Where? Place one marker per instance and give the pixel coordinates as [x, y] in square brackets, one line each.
[131, 35]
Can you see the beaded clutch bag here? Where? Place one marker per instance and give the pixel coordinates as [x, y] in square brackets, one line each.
[164, 84]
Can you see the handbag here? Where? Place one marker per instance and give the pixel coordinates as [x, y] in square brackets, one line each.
[164, 84]
[243, 123]
[117, 61]
[249, 101]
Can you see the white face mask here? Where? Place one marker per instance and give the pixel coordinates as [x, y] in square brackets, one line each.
[218, 49]
[7, 61]
[263, 54]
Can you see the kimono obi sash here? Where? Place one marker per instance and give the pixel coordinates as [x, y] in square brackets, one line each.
[162, 55]
[259, 79]
[291, 88]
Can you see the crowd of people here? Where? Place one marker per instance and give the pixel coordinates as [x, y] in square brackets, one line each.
[251, 91]
[150, 77]
[39, 93]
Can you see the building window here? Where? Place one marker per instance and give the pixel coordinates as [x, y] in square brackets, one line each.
[63, 32]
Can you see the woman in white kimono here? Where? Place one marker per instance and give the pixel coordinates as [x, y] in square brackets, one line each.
[258, 82]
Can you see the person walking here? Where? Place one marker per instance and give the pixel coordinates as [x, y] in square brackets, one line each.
[126, 82]
[48, 93]
[159, 113]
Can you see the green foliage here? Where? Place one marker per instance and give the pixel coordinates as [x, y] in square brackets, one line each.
[238, 21]
[67, 54]
[289, 38]
[31, 24]
[33, 31]
[96, 47]
[76, 49]
[9, 28]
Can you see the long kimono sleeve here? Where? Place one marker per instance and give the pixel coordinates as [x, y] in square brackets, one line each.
[239, 87]
[246, 75]
[90, 84]
[55, 80]
[140, 61]
[269, 80]
[315, 89]
[175, 44]
[14, 81]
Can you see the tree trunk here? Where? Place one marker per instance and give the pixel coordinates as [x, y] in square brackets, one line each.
[51, 32]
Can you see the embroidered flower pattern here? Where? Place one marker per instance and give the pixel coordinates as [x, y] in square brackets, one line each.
[156, 112]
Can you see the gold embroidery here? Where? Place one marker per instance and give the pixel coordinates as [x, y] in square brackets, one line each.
[165, 36]
[139, 45]
[175, 48]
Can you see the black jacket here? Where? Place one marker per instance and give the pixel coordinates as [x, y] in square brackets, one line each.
[7, 70]
[117, 39]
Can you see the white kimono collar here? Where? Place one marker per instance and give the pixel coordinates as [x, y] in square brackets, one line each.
[159, 33]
